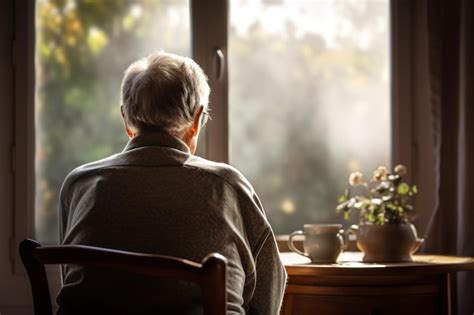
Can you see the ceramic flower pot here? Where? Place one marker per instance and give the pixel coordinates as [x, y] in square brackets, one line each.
[388, 242]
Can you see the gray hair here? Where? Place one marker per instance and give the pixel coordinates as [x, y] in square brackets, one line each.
[163, 92]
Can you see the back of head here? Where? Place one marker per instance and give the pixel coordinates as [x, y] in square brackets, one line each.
[163, 92]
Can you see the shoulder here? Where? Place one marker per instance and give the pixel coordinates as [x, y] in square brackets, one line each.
[86, 171]
[249, 204]
[223, 172]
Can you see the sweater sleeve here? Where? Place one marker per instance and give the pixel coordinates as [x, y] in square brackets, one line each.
[62, 221]
[271, 279]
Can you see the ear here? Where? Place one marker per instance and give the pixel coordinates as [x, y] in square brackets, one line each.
[195, 128]
[128, 130]
[191, 136]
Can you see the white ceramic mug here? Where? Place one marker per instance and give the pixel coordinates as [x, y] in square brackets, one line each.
[322, 242]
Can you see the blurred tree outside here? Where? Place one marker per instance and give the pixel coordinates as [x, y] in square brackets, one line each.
[309, 101]
[305, 108]
[82, 49]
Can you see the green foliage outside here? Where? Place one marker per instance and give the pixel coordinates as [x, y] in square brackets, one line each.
[83, 48]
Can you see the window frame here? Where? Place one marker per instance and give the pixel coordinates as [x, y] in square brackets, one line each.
[209, 32]
[402, 51]
[23, 148]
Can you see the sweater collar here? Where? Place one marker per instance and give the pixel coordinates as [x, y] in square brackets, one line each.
[156, 138]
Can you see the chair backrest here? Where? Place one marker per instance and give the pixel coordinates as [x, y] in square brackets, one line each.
[210, 275]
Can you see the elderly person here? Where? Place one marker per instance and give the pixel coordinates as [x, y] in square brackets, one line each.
[157, 197]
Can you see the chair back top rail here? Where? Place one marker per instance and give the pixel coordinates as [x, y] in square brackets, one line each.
[144, 264]
[140, 263]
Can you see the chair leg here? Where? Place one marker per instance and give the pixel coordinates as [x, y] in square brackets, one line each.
[37, 275]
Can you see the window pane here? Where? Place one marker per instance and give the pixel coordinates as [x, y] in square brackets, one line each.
[82, 49]
[309, 101]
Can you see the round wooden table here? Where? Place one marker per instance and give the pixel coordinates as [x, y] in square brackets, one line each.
[353, 287]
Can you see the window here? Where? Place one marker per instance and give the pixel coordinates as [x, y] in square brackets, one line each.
[309, 101]
[305, 85]
[82, 50]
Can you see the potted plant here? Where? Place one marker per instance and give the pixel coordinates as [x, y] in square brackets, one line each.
[384, 233]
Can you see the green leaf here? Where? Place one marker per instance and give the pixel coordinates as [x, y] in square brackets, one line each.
[346, 215]
[403, 189]
[341, 198]
[363, 203]
[342, 206]
[351, 202]
[414, 189]
[370, 217]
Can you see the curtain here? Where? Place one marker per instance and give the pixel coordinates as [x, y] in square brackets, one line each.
[450, 37]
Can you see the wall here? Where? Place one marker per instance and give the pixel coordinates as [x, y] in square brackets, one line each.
[15, 296]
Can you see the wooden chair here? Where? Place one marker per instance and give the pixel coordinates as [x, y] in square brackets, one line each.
[210, 275]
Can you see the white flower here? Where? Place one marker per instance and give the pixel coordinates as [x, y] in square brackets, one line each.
[400, 170]
[380, 173]
[377, 201]
[356, 178]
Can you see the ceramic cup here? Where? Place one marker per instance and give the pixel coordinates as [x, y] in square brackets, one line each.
[322, 242]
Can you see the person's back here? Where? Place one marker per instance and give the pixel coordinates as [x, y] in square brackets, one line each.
[156, 197]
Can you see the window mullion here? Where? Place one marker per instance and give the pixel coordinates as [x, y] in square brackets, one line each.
[209, 29]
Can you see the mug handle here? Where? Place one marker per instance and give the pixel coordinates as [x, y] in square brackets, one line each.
[345, 239]
[292, 247]
[419, 242]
